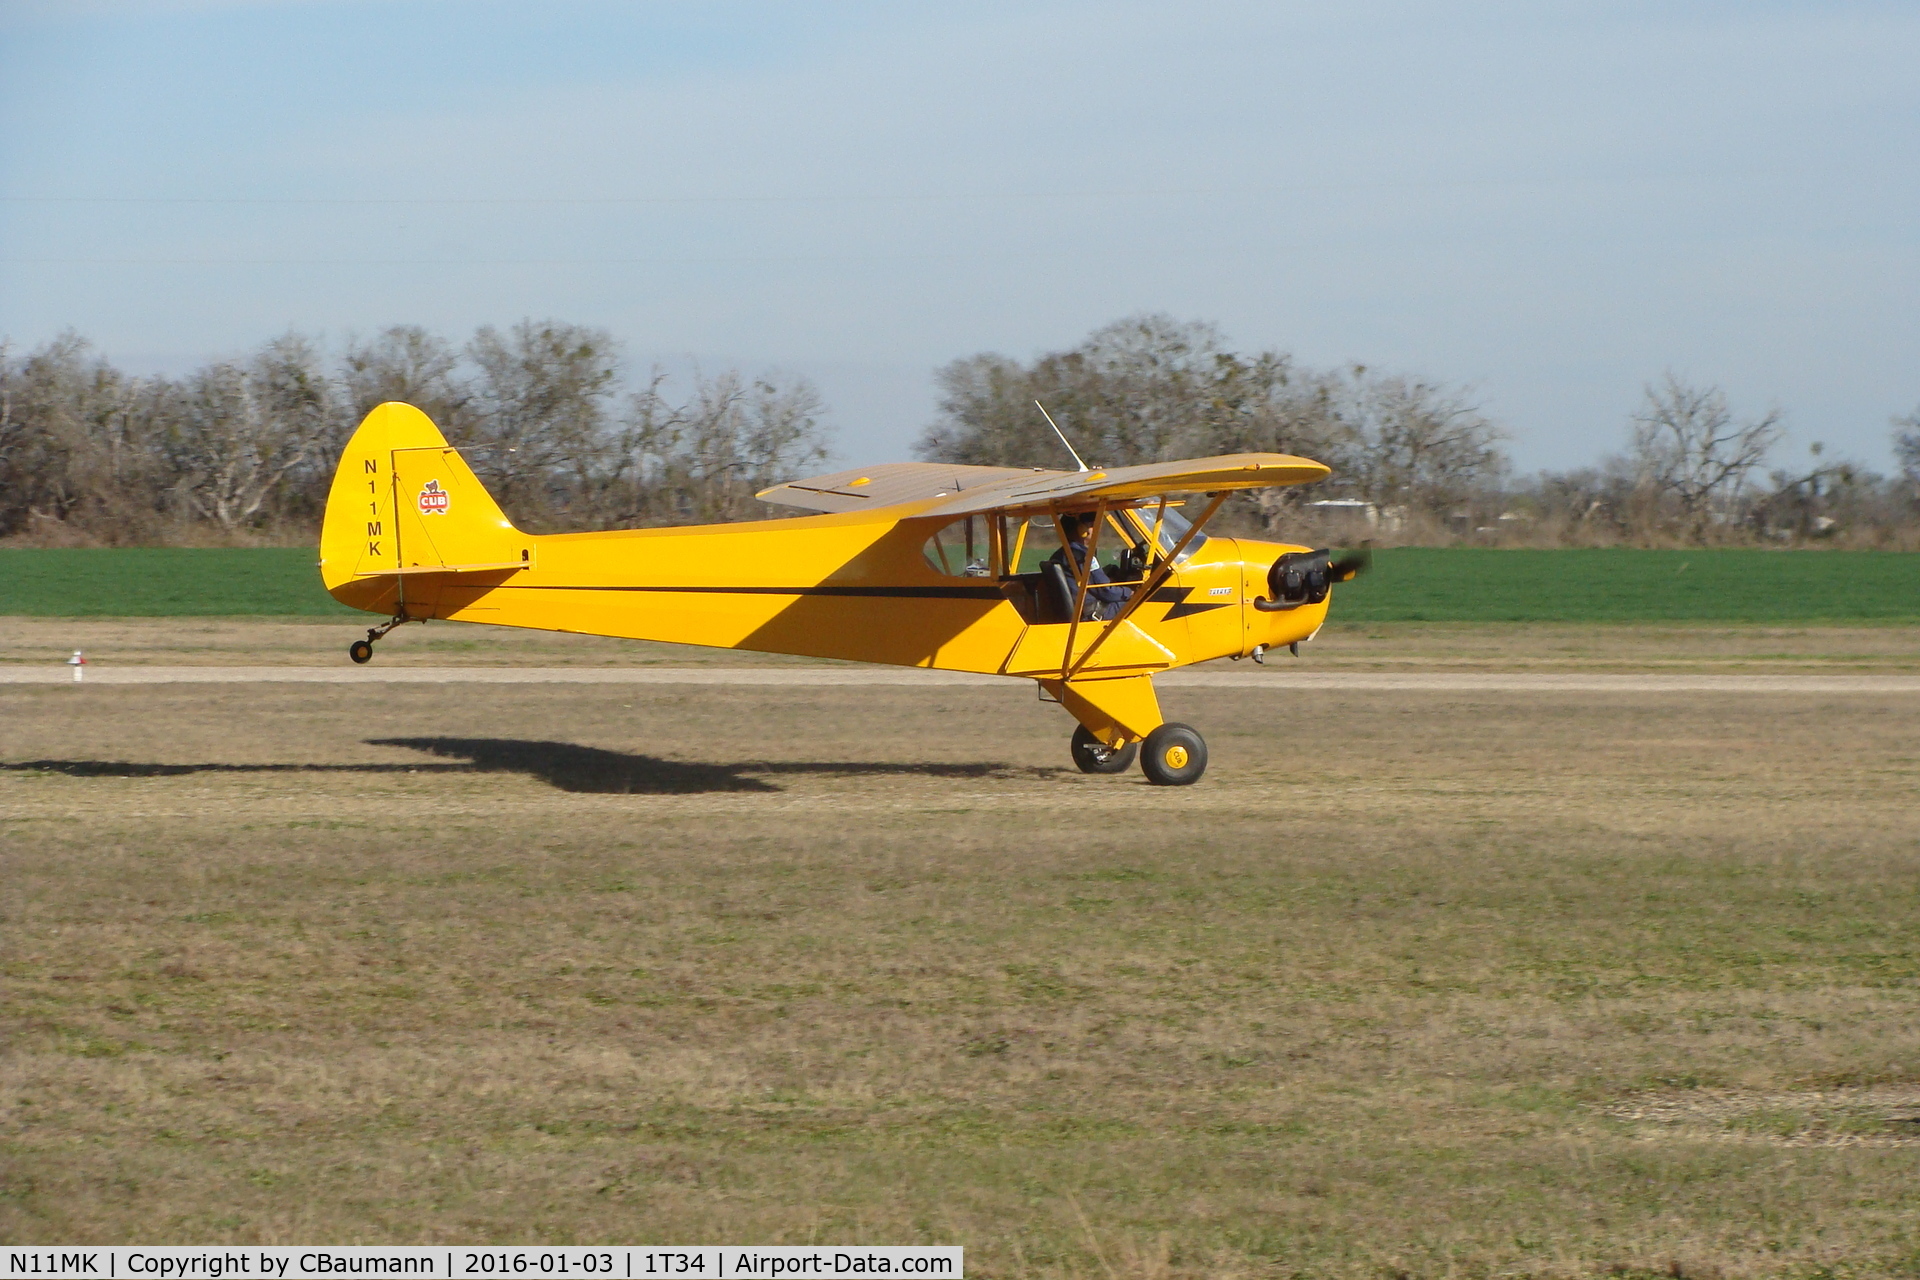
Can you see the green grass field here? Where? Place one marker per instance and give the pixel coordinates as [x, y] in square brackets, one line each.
[1466, 584]
[1412, 584]
[164, 582]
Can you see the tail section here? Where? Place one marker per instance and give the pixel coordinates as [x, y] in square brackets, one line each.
[404, 503]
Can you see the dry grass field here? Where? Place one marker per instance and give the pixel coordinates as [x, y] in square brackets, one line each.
[1422, 985]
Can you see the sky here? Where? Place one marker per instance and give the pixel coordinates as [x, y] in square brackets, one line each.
[1548, 203]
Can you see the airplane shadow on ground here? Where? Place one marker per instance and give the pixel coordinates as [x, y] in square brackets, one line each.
[563, 765]
[594, 769]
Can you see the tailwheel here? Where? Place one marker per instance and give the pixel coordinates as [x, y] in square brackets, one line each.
[361, 651]
[1173, 756]
[1095, 756]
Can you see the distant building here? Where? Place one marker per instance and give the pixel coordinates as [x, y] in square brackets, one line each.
[1357, 513]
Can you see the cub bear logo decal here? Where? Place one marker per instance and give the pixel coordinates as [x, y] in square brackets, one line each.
[434, 500]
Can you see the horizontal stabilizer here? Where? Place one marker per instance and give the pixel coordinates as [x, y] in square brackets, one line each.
[495, 567]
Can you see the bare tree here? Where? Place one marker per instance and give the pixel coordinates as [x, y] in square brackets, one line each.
[234, 432]
[1906, 448]
[75, 452]
[1141, 389]
[703, 460]
[987, 417]
[1686, 443]
[40, 432]
[1804, 505]
[1150, 388]
[781, 436]
[542, 419]
[404, 362]
[87, 453]
[14, 426]
[1600, 505]
[1147, 388]
[1405, 441]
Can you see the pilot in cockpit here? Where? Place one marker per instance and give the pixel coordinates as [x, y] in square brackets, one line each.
[1103, 599]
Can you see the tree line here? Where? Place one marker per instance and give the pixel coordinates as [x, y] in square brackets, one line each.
[1414, 460]
[243, 449]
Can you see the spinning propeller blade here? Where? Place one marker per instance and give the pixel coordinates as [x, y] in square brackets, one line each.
[1351, 563]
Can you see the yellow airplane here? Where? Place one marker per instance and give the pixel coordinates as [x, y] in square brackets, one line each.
[914, 564]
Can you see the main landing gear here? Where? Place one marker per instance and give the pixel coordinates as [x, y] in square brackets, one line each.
[1095, 756]
[361, 651]
[1173, 755]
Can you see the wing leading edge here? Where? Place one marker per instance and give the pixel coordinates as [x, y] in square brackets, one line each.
[974, 490]
[1041, 490]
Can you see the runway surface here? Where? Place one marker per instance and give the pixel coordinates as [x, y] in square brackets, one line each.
[1246, 676]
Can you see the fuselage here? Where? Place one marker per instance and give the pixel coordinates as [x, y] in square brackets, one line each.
[915, 565]
[840, 586]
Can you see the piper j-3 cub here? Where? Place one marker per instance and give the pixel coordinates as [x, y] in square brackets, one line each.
[916, 564]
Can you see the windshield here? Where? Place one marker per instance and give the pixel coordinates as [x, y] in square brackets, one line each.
[1173, 527]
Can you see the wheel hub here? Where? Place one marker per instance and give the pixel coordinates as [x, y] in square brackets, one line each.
[1176, 757]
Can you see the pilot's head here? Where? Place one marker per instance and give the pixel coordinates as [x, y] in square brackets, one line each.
[1071, 527]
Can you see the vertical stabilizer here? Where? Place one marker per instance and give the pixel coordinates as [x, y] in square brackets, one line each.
[404, 502]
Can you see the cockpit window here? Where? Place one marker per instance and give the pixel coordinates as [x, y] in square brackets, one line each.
[961, 549]
[1036, 539]
[966, 548]
[1031, 541]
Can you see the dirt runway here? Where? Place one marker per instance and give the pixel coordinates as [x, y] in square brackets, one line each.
[1247, 677]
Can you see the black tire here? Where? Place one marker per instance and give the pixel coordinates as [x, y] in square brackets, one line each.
[1174, 756]
[1095, 756]
[361, 651]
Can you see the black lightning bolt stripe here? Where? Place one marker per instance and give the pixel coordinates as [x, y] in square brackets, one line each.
[1177, 597]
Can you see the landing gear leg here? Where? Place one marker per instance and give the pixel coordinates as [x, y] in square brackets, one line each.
[1095, 756]
[1173, 755]
[361, 651]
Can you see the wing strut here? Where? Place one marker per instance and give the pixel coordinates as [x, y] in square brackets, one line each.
[1082, 575]
[1147, 588]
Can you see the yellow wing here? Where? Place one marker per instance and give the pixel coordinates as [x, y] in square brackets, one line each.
[972, 490]
[889, 485]
[1040, 490]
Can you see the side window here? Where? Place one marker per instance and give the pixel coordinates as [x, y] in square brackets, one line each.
[1123, 549]
[1037, 538]
[1030, 542]
[962, 549]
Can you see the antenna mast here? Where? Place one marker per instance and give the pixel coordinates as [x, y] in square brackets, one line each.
[1057, 431]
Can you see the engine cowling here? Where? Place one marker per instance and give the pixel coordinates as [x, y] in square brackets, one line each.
[1304, 577]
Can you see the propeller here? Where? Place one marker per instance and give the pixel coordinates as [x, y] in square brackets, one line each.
[1304, 577]
[1351, 563]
